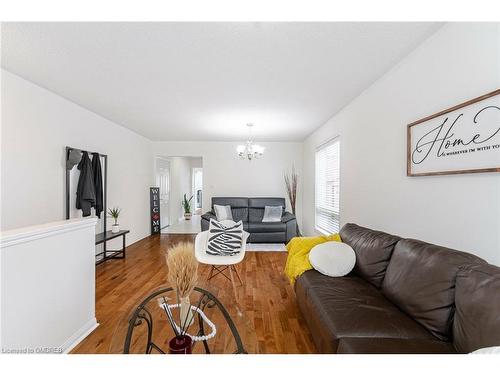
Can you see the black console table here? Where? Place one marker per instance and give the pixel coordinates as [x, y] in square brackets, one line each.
[102, 238]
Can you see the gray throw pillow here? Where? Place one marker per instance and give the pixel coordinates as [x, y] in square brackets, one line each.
[224, 240]
[272, 214]
[223, 212]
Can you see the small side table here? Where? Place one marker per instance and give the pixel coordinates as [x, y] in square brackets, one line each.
[102, 238]
[145, 328]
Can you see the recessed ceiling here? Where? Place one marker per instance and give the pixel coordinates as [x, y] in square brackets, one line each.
[205, 81]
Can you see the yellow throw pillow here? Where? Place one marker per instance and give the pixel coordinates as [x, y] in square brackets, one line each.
[298, 254]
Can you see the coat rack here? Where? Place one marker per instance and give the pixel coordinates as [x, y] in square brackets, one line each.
[100, 238]
[68, 178]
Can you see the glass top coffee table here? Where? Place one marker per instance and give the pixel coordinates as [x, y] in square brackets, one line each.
[146, 330]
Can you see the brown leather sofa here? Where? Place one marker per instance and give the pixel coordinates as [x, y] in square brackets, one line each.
[403, 296]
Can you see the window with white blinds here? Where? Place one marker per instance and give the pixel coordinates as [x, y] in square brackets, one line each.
[327, 185]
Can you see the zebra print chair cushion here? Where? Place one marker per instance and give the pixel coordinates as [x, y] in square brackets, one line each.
[224, 240]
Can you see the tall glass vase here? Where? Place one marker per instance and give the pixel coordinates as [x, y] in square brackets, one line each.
[186, 314]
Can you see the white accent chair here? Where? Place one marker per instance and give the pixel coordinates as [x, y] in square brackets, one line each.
[220, 263]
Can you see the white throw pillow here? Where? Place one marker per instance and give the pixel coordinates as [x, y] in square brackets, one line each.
[272, 214]
[223, 212]
[489, 350]
[332, 258]
[228, 223]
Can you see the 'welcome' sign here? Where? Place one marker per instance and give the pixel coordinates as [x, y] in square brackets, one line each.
[462, 139]
[154, 198]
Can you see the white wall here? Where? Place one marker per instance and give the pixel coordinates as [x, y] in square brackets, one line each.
[196, 162]
[48, 286]
[459, 62]
[224, 174]
[36, 126]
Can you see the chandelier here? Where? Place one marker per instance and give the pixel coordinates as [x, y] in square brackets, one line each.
[250, 150]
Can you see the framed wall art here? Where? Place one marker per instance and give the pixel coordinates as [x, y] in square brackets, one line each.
[461, 139]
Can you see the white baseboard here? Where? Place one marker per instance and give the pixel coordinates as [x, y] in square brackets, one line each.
[79, 335]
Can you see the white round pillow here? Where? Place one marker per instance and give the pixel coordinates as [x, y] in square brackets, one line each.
[488, 350]
[332, 258]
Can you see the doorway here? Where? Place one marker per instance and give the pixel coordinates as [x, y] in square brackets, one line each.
[163, 182]
[197, 190]
[179, 177]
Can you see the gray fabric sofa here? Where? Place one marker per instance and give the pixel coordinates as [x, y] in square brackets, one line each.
[251, 211]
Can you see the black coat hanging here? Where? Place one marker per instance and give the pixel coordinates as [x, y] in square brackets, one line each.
[85, 193]
[97, 180]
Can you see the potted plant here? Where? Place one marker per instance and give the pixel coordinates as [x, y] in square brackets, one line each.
[114, 213]
[186, 204]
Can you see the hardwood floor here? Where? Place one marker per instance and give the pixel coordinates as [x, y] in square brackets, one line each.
[273, 323]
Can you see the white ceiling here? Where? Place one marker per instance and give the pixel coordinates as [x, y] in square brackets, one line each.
[205, 81]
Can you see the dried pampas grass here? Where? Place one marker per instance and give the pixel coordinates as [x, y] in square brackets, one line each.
[182, 268]
[291, 185]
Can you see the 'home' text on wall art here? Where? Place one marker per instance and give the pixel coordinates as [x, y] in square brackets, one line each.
[462, 139]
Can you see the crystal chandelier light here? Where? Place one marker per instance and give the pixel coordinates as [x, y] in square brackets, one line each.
[250, 150]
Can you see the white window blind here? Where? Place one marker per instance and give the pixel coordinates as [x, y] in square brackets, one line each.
[327, 185]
